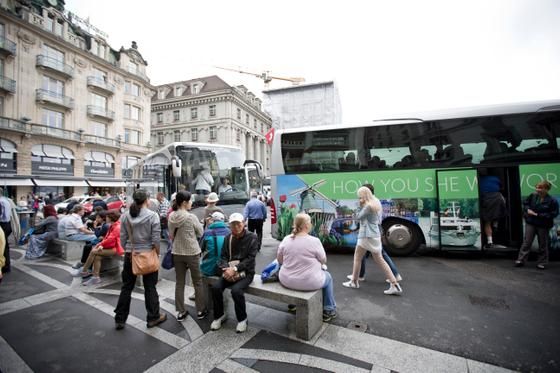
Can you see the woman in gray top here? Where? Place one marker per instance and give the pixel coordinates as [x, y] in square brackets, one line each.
[140, 229]
[45, 231]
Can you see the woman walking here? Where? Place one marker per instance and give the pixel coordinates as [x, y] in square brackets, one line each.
[140, 231]
[302, 257]
[539, 210]
[369, 239]
[186, 230]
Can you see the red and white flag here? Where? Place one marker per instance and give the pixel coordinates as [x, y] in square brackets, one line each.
[269, 136]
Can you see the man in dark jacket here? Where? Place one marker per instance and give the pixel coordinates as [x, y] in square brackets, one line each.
[237, 264]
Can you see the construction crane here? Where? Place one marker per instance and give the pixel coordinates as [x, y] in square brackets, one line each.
[265, 76]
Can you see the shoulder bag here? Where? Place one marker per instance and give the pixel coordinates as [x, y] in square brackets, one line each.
[143, 262]
[167, 262]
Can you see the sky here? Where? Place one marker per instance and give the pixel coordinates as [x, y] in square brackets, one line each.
[386, 57]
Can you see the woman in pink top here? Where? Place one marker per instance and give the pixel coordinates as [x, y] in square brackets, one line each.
[303, 258]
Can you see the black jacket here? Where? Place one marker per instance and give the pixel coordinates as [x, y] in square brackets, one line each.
[547, 210]
[243, 249]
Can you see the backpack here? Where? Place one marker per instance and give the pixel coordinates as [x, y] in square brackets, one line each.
[210, 255]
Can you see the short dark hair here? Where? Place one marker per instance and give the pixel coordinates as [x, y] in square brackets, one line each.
[114, 215]
[370, 187]
[77, 208]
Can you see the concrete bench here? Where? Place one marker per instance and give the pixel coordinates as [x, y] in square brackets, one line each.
[309, 312]
[67, 250]
[111, 263]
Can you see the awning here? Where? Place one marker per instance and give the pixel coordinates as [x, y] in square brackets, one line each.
[15, 182]
[107, 183]
[62, 183]
[7, 146]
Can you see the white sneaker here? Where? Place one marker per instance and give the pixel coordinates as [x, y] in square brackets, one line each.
[398, 278]
[394, 289]
[241, 326]
[349, 277]
[217, 324]
[76, 272]
[351, 284]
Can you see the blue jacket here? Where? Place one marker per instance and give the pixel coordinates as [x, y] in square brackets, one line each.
[547, 210]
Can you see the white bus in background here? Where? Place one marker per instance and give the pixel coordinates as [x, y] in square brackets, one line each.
[175, 167]
[425, 170]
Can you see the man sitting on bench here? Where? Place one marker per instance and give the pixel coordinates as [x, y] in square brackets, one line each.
[71, 228]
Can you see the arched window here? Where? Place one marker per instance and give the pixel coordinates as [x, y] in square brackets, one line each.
[99, 164]
[52, 159]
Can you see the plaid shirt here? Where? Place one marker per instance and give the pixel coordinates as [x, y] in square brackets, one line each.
[163, 207]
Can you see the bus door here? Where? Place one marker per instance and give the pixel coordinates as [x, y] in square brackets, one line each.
[507, 232]
[254, 176]
[456, 223]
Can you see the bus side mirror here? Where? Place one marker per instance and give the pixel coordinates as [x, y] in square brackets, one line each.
[176, 166]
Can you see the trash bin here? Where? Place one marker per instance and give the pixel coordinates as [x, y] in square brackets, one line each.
[24, 220]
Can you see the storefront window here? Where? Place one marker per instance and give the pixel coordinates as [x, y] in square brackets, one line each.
[8, 154]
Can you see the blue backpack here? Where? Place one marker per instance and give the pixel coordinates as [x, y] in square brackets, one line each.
[211, 254]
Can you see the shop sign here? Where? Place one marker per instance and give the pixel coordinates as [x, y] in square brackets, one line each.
[7, 165]
[99, 171]
[52, 168]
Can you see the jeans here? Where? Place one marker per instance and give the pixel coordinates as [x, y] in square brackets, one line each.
[237, 293]
[81, 237]
[329, 304]
[387, 259]
[151, 298]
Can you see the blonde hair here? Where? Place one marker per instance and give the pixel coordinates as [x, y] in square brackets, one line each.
[370, 199]
[545, 184]
[300, 222]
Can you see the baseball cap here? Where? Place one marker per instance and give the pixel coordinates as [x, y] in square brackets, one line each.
[236, 217]
[218, 216]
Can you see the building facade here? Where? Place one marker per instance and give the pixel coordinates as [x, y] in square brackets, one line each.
[74, 113]
[209, 110]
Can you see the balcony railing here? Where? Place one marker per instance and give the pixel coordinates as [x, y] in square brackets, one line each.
[97, 111]
[7, 46]
[55, 65]
[54, 98]
[7, 84]
[96, 82]
[37, 129]
[92, 139]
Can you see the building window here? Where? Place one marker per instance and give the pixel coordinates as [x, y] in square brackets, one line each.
[97, 48]
[238, 135]
[246, 118]
[160, 138]
[100, 74]
[212, 110]
[195, 89]
[53, 86]
[132, 67]
[161, 94]
[194, 113]
[132, 136]
[159, 117]
[177, 136]
[194, 134]
[239, 114]
[55, 54]
[99, 129]
[213, 132]
[54, 24]
[132, 89]
[131, 112]
[98, 101]
[1, 105]
[255, 123]
[262, 128]
[52, 118]
[176, 116]
[178, 91]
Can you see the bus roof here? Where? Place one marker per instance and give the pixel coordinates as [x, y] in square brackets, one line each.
[449, 113]
[164, 148]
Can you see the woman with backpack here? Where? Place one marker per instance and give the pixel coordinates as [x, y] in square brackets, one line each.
[185, 230]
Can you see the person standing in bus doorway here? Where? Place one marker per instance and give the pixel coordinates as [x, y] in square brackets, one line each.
[255, 214]
[386, 257]
[539, 210]
[203, 182]
[493, 205]
[369, 239]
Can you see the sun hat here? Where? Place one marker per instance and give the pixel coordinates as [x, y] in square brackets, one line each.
[236, 217]
[212, 197]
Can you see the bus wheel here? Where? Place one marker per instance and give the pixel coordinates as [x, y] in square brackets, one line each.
[401, 237]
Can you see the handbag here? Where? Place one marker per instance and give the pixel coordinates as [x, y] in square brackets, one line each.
[238, 275]
[167, 262]
[143, 262]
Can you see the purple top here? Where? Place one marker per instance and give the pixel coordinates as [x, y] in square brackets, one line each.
[301, 259]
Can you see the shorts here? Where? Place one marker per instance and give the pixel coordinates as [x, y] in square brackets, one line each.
[371, 244]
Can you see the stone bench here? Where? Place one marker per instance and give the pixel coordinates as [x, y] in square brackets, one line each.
[67, 250]
[309, 311]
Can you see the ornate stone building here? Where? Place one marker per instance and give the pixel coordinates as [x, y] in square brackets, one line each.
[209, 110]
[74, 113]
